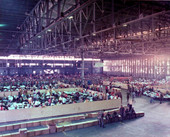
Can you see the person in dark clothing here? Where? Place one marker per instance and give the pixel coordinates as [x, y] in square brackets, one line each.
[132, 113]
[115, 117]
[128, 96]
[4, 107]
[122, 110]
[127, 114]
[161, 98]
[19, 94]
[108, 118]
[129, 88]
[133, 96]
[119, 94]
[129, 107]
[121, 97]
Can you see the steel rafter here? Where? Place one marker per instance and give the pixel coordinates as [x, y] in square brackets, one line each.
[104, 34]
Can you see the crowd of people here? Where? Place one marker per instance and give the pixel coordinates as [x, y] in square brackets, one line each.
[136, 87]
[14, 83]
[147, 87]
[35, 83]
[42, 99]
[49, 98]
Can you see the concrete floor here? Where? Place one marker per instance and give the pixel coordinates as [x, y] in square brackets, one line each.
[155, 123]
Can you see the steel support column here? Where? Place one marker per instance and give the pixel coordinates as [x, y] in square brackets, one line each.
[82, 45]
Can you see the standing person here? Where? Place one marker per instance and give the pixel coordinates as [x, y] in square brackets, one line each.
[132, 89]
[140, 92]
[161, 98]
[121, 97]
[133, 96]
[129, 88]
[110, 85]
[128, 96]
[100, 118]
[106, 88]
[101, 88]
[151, 99]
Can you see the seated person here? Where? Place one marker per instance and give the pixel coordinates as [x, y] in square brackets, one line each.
[108, 117]
[122, 112]
[129, 107]
[127, 113]
[115, 117]
[2, 107]
[132, 113]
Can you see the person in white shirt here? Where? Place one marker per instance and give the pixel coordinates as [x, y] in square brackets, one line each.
[37, 103]
[10, 98]
[107, 96]
[64, 100]
[111, 97]
[100, 97]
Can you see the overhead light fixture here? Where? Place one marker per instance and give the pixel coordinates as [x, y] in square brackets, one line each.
[49, 30]
[124, 25]
[39, 36]
[94, 34]
[70, 17]
[2, 25]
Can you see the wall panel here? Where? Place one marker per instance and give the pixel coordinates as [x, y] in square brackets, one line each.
[58, 110]
[144, 67]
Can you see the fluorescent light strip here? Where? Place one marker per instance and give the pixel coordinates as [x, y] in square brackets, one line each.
[35, 57]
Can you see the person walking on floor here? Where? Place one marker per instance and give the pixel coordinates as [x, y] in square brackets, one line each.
[133, 97]
[151, 100]
[161, 98]
[128, 96]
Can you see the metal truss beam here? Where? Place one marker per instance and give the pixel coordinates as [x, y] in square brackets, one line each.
[103, 34]
[42, 16]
